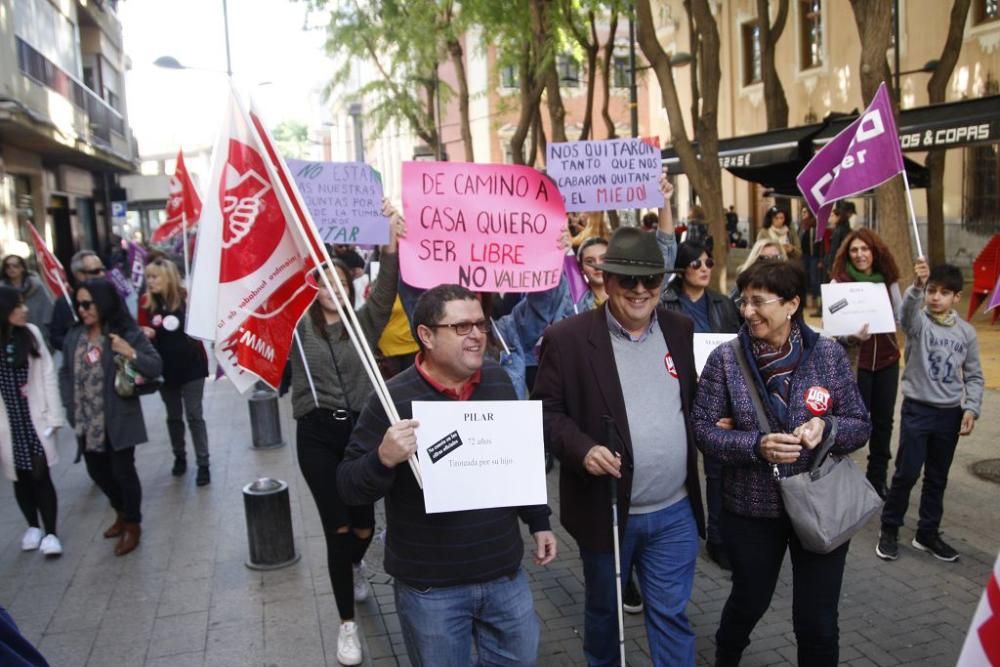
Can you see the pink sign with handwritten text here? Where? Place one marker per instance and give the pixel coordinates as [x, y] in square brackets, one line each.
[488, 227]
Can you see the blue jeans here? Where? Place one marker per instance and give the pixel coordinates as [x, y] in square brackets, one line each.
[928, 436]
[440, 624]
[663, 547]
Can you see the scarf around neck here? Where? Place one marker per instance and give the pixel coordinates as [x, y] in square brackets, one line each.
[861, 277]
[944, 319]
[776, 366]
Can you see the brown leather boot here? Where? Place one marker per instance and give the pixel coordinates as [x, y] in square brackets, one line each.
[129, 540]
[117, 528]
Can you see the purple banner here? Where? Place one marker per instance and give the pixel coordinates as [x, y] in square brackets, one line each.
[344, 199]
[137, 264]
[995, 299]
[120, 282]
[864, 155]
[607, 174]
[574, 279]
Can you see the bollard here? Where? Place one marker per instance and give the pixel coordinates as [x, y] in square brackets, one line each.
[269, 524]
[265, 424]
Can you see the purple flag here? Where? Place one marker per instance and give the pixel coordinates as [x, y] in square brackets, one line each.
[136, 263]
[863, 156]
[120, 282]
[574, 278]
[995, 298]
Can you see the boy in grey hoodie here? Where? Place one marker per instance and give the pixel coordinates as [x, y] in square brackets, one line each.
[942, 397]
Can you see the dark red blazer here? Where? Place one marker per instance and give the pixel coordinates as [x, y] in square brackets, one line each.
[578, 385]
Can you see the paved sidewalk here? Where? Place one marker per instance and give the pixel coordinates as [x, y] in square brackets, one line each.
[186, 598]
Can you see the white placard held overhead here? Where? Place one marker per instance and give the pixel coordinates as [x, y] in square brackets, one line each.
[704, 343]
[480, 454]
[849, 306]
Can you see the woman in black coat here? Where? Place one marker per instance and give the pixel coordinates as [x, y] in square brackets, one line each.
[107, 426]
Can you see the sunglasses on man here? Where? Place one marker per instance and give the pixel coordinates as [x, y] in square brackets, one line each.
[630, 282]
[93, 272]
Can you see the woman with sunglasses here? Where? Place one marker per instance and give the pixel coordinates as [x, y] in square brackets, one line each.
[30, 414]
[329, 388]
[864, 257]
[17, 275]
[185, 364]
[107, 426]
[803, 382]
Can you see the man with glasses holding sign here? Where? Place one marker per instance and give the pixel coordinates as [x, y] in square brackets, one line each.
[458, 575]
[625, 372]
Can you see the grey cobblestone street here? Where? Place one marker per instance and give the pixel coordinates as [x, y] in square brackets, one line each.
[186, 598]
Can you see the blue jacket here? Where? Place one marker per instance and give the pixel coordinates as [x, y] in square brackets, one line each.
[521, 329]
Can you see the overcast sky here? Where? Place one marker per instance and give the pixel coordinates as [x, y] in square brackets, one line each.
[169, 108]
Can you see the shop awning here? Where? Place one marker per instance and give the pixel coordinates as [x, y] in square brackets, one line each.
[775, 158]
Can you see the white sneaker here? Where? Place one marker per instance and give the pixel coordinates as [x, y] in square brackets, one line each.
[32, 538]
[362, 589]
[348, 644]
[51, 546]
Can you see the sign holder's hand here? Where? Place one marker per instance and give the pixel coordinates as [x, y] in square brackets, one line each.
[921, 272]
[399, 443]
[546, 548]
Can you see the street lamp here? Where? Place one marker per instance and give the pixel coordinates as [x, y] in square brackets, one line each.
[169, 62]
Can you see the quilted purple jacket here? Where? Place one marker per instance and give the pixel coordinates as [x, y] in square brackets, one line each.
[748, 485]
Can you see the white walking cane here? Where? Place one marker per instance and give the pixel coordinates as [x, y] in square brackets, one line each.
[610, 434]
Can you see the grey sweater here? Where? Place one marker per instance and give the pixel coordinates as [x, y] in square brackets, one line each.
[353, 393]
[942, 362]
[655, 420]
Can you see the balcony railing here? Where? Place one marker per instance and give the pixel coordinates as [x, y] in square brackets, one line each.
[101, 117]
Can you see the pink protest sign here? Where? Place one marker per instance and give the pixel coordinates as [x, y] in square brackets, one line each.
[488, 227]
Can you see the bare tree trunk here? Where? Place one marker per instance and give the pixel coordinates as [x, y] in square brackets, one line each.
[531, 94]
[592, 49]
[936, 89]
[557, 112]
[609, 52]
[702, 170]
[536, 131]
[874, 22]
[775, 104]
[458, 60]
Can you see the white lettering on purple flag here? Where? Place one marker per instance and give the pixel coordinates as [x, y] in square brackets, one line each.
[863, 156]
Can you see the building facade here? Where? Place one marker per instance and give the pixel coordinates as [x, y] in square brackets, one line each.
[64, 132]
[817, 57]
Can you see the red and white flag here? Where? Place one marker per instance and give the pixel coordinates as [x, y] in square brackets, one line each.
[183, 204]
[982, 644]
[248, 286]
[52, 269]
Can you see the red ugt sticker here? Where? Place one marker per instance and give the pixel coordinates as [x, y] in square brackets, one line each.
[818, 400]
[668, 361]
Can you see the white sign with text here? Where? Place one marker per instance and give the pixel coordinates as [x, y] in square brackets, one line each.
[849, 306]
[704, 343]
[479, 454]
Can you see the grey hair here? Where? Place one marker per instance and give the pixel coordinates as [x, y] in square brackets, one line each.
[76, 263]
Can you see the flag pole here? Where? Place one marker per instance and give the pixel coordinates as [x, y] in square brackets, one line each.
[305, 364]
[913, 215]
[184, 231]
[65, 292]
[347, 315]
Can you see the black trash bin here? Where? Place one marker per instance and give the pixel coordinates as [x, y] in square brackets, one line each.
[265, 420]
[269, 524]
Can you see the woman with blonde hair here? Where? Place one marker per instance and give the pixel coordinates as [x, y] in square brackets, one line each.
[763, 249]
[185, 364]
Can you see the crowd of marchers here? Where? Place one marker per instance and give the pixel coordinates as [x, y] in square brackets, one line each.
[625, 414]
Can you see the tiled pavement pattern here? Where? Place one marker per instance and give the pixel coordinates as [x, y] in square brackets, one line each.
[186, 598]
